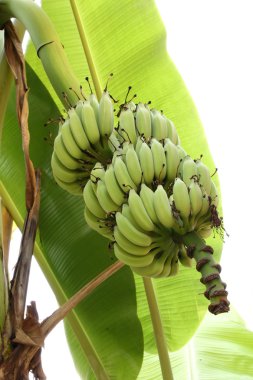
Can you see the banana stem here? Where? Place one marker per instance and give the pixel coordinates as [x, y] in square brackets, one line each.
[210, 270]
[86, 48]
[158, 330]
[47, 44]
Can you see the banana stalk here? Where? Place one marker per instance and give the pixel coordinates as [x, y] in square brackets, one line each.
[210, 270]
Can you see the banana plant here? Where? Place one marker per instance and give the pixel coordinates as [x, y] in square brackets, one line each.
[117, 330]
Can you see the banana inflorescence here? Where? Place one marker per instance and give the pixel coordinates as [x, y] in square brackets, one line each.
[141, 189]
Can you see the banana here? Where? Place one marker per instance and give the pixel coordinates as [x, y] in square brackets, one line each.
[182, 153]
[133, 165]
[196, 197]
[181, 199]
[171, 131]
[129, 247]
[204, 232]
[159, 159]
[183, 257]
[147, 197]
[127, 213]
[139, 212]
[89, 122]
[77, 130]
[189, 170]
[105, 115]
[63, 155]
[113, 142]
[158, 125]
[78, 108]
[131, 233]
[154, 268]
[97, 173]
[104, 198]
[168, 256]
[174, 265]
[205, 209]
[127, 258]
[163, 208]
[65, 174]
[127, 125]
[143, 120]
[172, 159]
[112, 186]
[73, 188]
[95, 105]
[97, 224]
[214, 197]
[204, 176]
[147, 164]
[122, 175]
[91, 201]
[69, 141]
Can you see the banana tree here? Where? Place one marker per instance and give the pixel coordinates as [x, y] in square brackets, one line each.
[126, 321]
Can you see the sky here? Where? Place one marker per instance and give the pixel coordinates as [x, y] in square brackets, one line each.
[211, 45]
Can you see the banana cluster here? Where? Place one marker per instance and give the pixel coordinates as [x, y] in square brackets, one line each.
[140, 187]
[85, 137]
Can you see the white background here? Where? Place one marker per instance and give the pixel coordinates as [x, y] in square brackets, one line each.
[211, 44]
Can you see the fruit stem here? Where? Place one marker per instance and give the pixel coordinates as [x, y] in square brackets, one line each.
[158, 330]
[86, 48]
[48, 46]
[210, 270]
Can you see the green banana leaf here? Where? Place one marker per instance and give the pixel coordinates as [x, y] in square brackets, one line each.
[221, 349]
[128, 39]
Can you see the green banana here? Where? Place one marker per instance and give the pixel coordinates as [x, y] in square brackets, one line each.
[172, 159]
[127, 258]
[63, 155]
[128, 246]
[90, 123]
[196, 197]
[147, 197]
[131, 232]
[95, 105]
[205, 180]
[159, 160]
[133, 165]
[122, 175]
[182, 199]
[112, 186]
[69, 141]
[171, 131]
[158, 125]
[91, 201]
[73, 188]
[105, 115]
[65, 174]
[214, 197]
[154, 268]
[163, 208]
[77, 130]
[189, 170]
[147, 164]
[104, 198]
[98, 224]
[139, 212]
[127, 125]
[143, 121]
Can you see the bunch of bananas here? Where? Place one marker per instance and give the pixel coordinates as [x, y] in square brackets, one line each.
[141, 189]
[85, 137]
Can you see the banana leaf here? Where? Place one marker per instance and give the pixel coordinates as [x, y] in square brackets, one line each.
[221, 349]
[128, 39]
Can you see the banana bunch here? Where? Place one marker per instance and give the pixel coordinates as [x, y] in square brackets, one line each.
[139, 121]
[85, 137]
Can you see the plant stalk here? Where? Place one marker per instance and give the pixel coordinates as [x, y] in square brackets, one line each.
[215, 289]
[86, 48]
[158, 330]
[47, 44]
